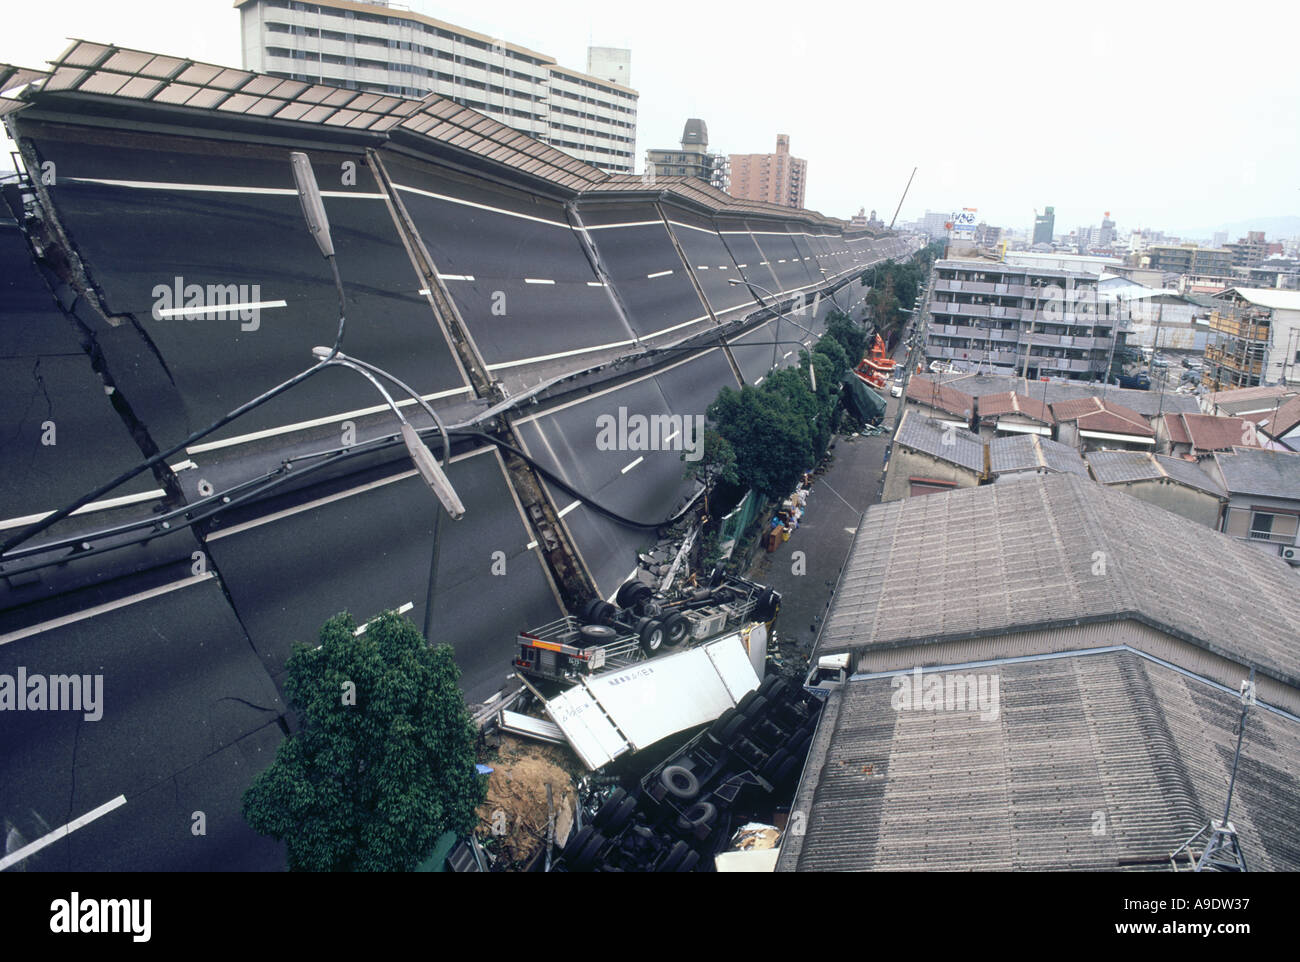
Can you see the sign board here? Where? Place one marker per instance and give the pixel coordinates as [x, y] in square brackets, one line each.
[963, 222]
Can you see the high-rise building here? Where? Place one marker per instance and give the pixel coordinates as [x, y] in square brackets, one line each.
[1044, 225]
[1250, 250]
[777, 178]
[386, 50]
[692, 159]
[1190, 259]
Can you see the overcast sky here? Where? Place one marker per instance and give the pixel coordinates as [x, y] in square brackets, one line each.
[1178, 116]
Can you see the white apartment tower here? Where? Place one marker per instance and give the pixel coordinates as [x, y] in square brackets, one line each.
[375, 47]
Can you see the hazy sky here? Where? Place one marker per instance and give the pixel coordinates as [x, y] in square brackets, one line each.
[1178, 116]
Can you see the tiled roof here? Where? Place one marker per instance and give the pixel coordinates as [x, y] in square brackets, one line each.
[1009, 402]
[1094, 414]
[1244, 394]
[894, 788]
[1286, 419]
[940, 396]
[1022, 452]
[935, 438]
[1209, 433]
[1268, 474]
[1118, 467]
[995, 559]
[1176, 429]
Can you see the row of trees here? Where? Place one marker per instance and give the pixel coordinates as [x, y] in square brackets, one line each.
[765, 437]
[894, 286]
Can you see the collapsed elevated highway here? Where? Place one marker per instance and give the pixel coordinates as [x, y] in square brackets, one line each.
[157, 274]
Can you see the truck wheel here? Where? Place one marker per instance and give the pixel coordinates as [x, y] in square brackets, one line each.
[611, 805]
[733, 729]
[720, 725]
[577, 842]
[676, 629]
[675, 857]
[588, 613]
[699, 815]
[774, 687]
[651, 631]
[745, 701]
[779, 758]
[621, 817]
[756, 708]
[632, 593]
[587, 857]
[597, 634]
[680, 782]
[605, 614]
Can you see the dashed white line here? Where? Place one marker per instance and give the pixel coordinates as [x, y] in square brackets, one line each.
[61, 832]
[537, 280]
[595, 284]
[453, 277]
[569, 508]
[632, 465]
[759, 381]
[659, 274]
[219, 308]
[701, 267]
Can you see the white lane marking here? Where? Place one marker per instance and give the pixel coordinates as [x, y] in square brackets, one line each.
[761, 263]
[631, 223]
[632, 465]
[530, 546]
[722, 267]
[470, 203]
[781, 261]
[219, 308]
[787, 354]
[361, 629]
[759, 381]
[214, 188]
[568, 509]
[742, 265]
[330, 498]
[105, 505]
[554, 357]
[62, 831]
[537, 280]
[314, 423]
[671, 436]
[702, 230]
[452, 277]
[701, 267]
[76, 616]
[659, 274]
[595, 284]
[184, 466]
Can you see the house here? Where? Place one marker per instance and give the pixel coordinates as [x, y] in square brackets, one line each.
[1090, 423]
[1034, 660]
[940, 401]
[1199, 435]
[1282, 425]
[930, 456]
[1172, 483]
[1012, 413]
[1024, 455]
[1263, 490]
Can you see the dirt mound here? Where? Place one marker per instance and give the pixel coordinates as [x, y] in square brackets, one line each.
[513, 819]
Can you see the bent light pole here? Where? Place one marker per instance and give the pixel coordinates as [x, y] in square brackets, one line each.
[779, 314]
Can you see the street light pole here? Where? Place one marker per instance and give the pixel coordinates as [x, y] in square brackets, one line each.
[811, 374]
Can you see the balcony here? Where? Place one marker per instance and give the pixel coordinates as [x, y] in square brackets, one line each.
[1246, 326]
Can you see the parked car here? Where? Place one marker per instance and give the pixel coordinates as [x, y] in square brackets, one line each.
[896, 389]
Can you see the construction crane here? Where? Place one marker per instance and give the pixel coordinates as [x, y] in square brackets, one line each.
[901, 199]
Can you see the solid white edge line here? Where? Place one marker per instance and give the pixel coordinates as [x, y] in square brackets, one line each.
[218, 308]
[470, 203]
[632, 465]
[632, 223]
[214, 188]
[105, 505]
[315, 423]
[31, 848]
[361, 629]
[330, 498]
[97, 610]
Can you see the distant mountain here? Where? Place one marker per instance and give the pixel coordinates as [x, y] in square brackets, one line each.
[1274, 228]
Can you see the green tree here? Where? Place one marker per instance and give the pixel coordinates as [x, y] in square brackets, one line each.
[773, 443]
[850, 336]
[384, 761]
[717, 463]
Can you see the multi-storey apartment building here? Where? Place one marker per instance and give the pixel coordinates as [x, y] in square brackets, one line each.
[692, 159]
[1004, 315]
[777, 178]
[1191, 259]
[374, 47]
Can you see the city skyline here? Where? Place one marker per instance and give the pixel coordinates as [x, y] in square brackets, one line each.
[1099, 136]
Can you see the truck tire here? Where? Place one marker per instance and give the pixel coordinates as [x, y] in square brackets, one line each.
[676, 629]
[675, 857]
[789, 767]
[719, 724]
[576, 843]
[716, 576]
[588, 613]
[773, 765]
[622, 816]
[745, 701]
[611, 805]
[756, 709]
[587, 857]
[680, 782]
[700, 815]
[651, 632]
[597, 634]
[632, 593]
[767, 606]
[734, 728]
[774, 687]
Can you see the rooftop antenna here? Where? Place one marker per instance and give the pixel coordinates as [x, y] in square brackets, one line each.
[1222, 852]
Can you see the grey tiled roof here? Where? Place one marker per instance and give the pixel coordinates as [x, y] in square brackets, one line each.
[934, 437]
[1118, 467]
[1269, 474]
[1148, 403]
[999, 558]
[1113, 733]
[1021, 452]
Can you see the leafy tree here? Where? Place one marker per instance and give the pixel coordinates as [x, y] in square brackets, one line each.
[850, 336]
[384, 761]
[773, 443]
[717, 463]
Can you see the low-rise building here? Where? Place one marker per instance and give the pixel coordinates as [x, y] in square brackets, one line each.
[929, 456]
[937, 400]
[1090, 423]
[1263, 499]
[1012, 413]
[1172, 483]
[1199, 435]
[1254, 339]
